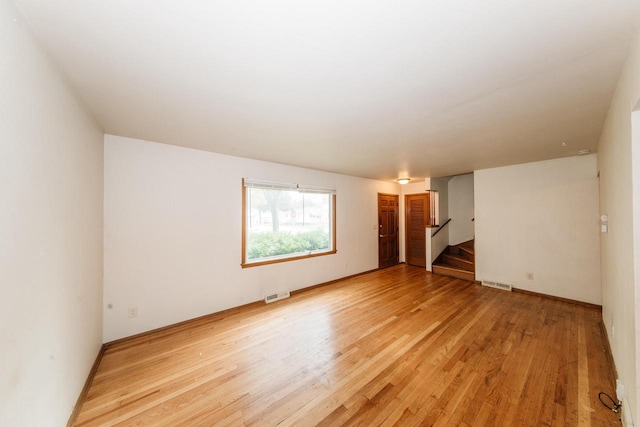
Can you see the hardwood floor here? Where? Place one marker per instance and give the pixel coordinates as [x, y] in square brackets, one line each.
[398, 346]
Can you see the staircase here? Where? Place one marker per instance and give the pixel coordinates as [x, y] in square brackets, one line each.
[457, 261]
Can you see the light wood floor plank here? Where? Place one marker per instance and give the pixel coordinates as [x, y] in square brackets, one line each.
[398, 346]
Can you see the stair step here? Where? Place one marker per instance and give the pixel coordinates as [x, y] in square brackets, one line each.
[458, 261]
[453, 272]
[466, 253]
[461, 250]
[469, 244]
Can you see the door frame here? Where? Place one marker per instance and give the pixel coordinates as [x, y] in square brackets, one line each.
[397, 225]
[407, 229]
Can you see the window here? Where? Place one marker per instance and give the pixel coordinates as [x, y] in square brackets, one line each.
[282, 222]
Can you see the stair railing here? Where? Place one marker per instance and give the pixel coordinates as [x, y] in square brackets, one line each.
[441, 227]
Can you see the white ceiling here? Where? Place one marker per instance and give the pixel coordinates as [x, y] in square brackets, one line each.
[368, 88]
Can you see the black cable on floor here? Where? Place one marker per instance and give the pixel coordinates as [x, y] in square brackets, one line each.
[614, 407]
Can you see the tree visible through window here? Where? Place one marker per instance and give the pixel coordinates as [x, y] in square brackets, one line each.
[285, 221]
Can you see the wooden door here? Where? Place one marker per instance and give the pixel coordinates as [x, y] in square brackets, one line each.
[416, 221]
[387, 230]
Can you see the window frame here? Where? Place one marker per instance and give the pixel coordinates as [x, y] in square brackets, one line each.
[286, 187]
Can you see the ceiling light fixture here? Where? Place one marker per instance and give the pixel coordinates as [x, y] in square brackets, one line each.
[403, 180]
[583, 152]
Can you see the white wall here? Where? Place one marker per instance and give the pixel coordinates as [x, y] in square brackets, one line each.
[50, 234]
[540, 218]
[636, 264]
[461, 228]
[172, 236]
[621, 298]
[439, 243]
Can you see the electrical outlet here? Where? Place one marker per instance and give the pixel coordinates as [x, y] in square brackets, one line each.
[133, 312]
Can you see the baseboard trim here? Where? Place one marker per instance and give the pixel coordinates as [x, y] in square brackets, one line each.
[568, 300]
[614, 370]
[121, 342]
[625, 417]
[211, 316]
[83, 394]
[331, 282]
[134, 339]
